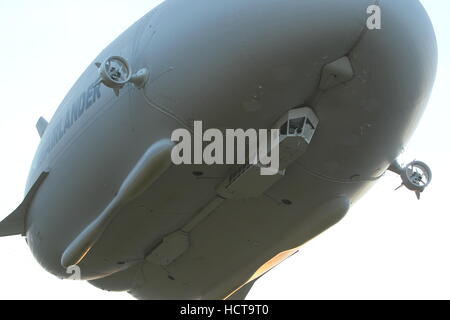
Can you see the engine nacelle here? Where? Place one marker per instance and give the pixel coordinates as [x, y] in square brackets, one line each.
[416, 176]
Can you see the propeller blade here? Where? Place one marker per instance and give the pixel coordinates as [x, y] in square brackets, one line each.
[418, 195]
[400, 186]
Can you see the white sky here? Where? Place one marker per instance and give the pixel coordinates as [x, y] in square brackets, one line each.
[389, 246]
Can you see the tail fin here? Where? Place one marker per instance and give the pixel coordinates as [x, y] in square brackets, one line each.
[41, 126]
[14, 224]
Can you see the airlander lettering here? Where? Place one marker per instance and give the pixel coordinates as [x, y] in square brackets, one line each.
[236, 143]
[374, 21]
[79, 107]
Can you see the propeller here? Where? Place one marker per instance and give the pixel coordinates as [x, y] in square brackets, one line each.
[416, 176]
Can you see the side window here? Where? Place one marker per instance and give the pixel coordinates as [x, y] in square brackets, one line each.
[309, 123]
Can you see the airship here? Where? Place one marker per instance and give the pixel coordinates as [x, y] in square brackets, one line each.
[344, 83]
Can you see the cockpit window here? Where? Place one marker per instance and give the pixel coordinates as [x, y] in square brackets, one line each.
[296, 126]
[283, 129]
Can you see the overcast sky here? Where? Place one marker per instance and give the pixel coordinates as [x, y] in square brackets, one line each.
[389, 246]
